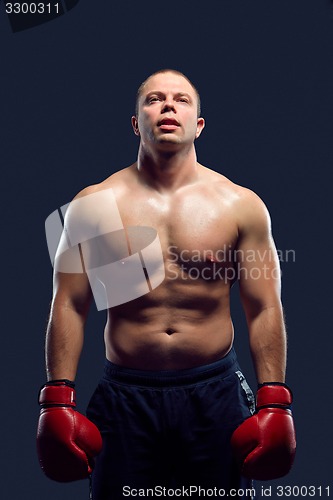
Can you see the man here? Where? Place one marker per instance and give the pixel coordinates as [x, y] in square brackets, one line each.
[173, 408]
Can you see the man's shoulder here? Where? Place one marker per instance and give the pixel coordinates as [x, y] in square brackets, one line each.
[224, 184]
[115, 181]
[248, 208]
[90, 205]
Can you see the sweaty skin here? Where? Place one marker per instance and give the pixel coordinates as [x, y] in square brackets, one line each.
[198, 214]
[186, 320]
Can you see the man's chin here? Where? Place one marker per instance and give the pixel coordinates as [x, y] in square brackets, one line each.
[169, 140]
[169, 147]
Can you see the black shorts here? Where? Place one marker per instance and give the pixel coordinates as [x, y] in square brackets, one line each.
[166, 431]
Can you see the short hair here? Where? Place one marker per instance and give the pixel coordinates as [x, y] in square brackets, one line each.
[176, 72]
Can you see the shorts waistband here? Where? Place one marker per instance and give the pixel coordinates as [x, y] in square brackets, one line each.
[163, 378]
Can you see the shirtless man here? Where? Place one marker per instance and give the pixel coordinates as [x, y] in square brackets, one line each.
[173, 407]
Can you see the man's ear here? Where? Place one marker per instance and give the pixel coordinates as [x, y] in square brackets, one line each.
[135, 125]
[200, 127]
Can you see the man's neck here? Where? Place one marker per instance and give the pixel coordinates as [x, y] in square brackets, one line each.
[167, 171]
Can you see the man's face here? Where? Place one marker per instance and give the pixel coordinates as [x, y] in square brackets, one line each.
[167, 112]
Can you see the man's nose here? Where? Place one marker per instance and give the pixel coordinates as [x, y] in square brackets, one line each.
[168, 105]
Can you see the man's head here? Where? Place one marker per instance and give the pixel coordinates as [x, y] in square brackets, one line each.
[167, 111]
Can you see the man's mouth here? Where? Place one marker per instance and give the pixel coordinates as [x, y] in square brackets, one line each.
[168, 124]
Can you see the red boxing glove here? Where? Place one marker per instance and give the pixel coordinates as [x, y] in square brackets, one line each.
[265, 443]
[67, 441]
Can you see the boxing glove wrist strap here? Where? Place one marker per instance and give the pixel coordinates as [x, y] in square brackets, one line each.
[57, 393]
[274, 395]
[273, 383]
[61, 381]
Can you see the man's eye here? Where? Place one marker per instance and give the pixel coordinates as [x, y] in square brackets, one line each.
[183, 99]
[153, 99]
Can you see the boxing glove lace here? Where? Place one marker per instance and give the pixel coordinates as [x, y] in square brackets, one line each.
[67, 441]
[265, 443]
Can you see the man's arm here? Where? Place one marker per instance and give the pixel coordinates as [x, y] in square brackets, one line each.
[265, 443]
[72, 294]
[260, 289]
[67, 441]
[65, 332]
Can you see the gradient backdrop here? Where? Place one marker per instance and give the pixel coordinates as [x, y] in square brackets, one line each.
[264, 69]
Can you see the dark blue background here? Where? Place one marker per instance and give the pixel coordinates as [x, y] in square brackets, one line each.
[264, 71]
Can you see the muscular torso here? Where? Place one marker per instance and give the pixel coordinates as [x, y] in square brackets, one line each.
[185, 321]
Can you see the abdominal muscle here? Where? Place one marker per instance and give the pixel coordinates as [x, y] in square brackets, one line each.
[171, 328]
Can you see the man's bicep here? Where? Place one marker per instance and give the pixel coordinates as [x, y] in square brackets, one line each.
[72, 290]
[258, 263]
[259, 276]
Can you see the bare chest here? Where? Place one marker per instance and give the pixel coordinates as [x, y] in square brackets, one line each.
[195, 227]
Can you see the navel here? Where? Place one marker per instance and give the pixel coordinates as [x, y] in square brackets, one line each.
[170, 331]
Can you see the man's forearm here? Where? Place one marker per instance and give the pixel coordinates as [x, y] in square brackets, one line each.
[268, 343]
[64, 342]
